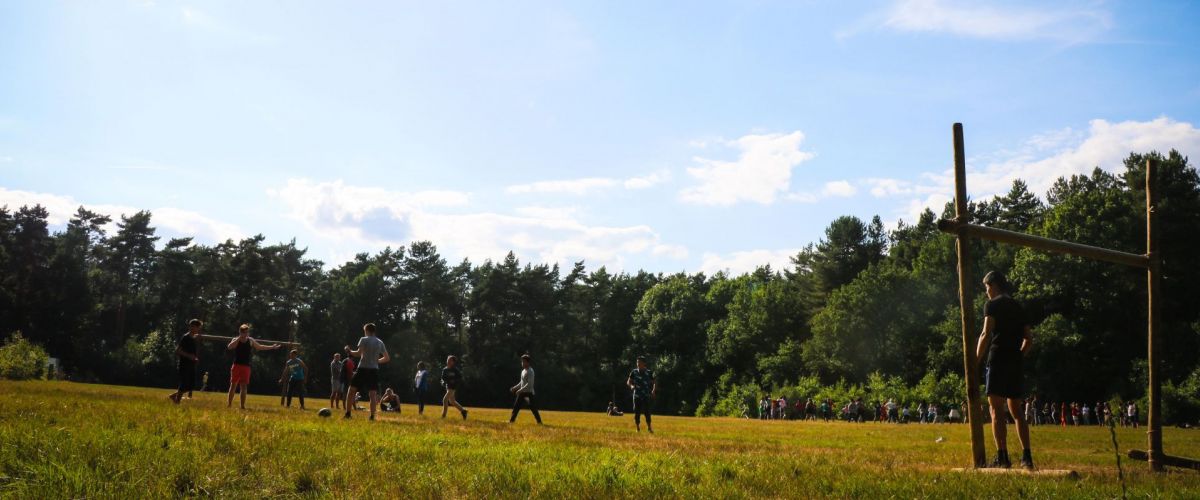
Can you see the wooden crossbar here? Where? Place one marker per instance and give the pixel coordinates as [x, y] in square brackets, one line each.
[1051, 245]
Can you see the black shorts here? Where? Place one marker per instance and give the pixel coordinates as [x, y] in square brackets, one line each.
[1003, 378]
[641, 404]
[187, 377]
[365, 379]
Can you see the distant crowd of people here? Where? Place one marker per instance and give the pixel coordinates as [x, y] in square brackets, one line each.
[856, 410]
[1035, 412]
[1125, 414]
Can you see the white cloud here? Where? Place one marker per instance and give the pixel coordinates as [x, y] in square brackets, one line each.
[580, 187]
[839, 188]
[170, 221]
[747, 261]
[761, 173]
[1073, 23]
[647, 181]
[372, 217]
[576, 187]
[1043, 159]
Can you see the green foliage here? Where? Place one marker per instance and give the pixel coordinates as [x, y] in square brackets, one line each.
[859, 313]
[21, 359]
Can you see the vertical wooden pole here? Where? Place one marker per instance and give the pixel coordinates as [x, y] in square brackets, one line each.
[966, 300]
[1153, 299]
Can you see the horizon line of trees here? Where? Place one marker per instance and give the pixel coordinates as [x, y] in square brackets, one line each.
[861, 302]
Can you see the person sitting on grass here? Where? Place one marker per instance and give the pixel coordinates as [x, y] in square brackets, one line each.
[613, 410]
[390, 401]
[1005, 339]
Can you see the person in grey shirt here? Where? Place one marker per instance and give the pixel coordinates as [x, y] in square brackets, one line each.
[337, 388]
[524, 391]
[371, 352]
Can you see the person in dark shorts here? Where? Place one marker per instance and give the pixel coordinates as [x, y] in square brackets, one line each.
[524, 391]
[294, 377]
[239, 374]
[644, 386]
[370, 353]
[451, 378]
[1005, 339]
[188, 356]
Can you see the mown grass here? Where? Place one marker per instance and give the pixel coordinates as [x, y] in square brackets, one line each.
[64, 440]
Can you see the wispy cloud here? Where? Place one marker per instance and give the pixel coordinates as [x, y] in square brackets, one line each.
[583, 186]
[762, 172]
[170, 221]
[372, 217]
[1069, 22]
[1041, 160]
[740, 262]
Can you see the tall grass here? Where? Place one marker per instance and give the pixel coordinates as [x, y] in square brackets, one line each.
[64, 440]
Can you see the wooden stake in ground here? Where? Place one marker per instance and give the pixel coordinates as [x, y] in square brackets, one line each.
[1153, 273]
[966, 300]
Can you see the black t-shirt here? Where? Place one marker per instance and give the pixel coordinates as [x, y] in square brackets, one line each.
[1008, 330]
[241, 353]
[187, 344]
[451, 377]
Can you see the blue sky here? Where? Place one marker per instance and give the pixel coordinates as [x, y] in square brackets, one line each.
[664, 136]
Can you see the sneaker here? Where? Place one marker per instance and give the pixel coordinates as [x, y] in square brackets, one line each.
[1001, 462]
[371, 418]
[464, 413]
[346, 416]
[1027, 461]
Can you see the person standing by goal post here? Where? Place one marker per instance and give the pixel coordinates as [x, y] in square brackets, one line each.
[1005, 339]
[644, 386]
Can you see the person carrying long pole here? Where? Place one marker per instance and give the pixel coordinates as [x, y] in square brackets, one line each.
[239, 374]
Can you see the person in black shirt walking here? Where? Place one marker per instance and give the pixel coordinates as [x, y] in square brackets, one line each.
[188, 356]
[524, 391]
[1006, 338]
[451, 377]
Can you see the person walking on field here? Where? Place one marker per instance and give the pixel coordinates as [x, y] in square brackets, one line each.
[451, 378]
[186, 352]
[1006, 338]
[239, 374]
[421, 386]
[524, 391]
[294, 377]
[337, 389]
[370, 353]
[645, 387]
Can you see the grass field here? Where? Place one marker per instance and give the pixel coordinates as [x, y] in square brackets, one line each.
[73, 440]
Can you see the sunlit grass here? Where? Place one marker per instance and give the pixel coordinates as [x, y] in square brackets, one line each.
[73, 440]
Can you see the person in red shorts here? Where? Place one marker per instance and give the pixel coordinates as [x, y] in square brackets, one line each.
[239, 375]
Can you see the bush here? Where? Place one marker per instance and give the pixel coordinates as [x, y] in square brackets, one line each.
[21, 359]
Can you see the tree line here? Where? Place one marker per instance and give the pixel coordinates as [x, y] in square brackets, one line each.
[860, 306]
